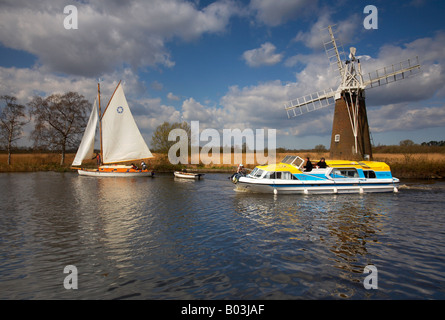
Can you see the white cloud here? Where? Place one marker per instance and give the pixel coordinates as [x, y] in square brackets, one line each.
[149, 113]
[171, 96]
[110, 34]
[263, 56]
[24, 83]
[255, 107]
[318, 34]
[414, 117]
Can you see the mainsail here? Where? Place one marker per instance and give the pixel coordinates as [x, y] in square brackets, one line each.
[121, 139]
[86, 147]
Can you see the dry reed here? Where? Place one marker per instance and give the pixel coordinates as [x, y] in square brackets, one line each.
[403, 165]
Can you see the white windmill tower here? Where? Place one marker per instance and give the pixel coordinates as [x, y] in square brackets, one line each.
[350, 131]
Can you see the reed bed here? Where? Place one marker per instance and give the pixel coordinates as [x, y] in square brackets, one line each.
[403, 165]
[415, 166]
[28, 162]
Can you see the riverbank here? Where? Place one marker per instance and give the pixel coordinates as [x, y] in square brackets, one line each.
[403, 166]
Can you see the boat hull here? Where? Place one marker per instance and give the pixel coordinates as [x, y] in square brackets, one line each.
[97, 173]
[188, 175]
[320, 187]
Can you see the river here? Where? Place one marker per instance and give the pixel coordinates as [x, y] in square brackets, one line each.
[172, 239]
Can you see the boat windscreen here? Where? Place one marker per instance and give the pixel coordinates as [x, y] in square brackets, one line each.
[289, 159]
[292, 160]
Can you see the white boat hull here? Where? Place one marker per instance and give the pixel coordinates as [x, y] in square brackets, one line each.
[185, 175]
[320, 187]
[97, 173]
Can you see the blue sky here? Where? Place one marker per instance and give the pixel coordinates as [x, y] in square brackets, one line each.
[227, 63]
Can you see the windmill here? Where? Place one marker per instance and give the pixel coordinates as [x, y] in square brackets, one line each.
[350, 130]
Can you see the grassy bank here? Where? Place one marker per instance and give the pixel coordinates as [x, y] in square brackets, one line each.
[417, 166]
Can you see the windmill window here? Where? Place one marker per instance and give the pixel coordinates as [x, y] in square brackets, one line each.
[337, 138]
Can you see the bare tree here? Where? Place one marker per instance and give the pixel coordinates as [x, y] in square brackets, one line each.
[159, 140]
[319, 148]
[59, 121]
[12, 120]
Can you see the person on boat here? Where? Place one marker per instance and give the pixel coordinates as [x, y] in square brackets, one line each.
[97, 157]
[241, 169]
[321, 164]
[134, 167]
[143, 165]
[308, 166]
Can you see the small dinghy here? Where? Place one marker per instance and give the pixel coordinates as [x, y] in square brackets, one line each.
[188, 175]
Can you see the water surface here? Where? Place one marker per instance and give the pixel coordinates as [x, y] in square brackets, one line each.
[167, 238]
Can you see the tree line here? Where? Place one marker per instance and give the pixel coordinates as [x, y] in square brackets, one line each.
[59, 121]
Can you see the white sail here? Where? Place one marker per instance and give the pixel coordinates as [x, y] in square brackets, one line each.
[121, 139]
[86, 147]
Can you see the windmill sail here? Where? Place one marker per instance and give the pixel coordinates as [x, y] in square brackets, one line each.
[334, 50]
[310, 102]
[121, 139]
[394, 72]
[86, 148]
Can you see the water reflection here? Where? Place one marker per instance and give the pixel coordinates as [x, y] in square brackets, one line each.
[115, 212]
[336, 231]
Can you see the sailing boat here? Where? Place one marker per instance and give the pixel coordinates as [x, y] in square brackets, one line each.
[120, 140]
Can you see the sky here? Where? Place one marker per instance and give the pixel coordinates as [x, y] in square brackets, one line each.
[228, 64]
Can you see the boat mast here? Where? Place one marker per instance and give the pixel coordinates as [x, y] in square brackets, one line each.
[100, 122]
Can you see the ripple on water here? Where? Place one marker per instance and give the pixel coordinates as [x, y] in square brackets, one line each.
[167, 239]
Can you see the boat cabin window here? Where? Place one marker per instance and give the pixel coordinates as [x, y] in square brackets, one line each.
[270, 175]
[369, 174]
[286, 175]
[345, 173]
